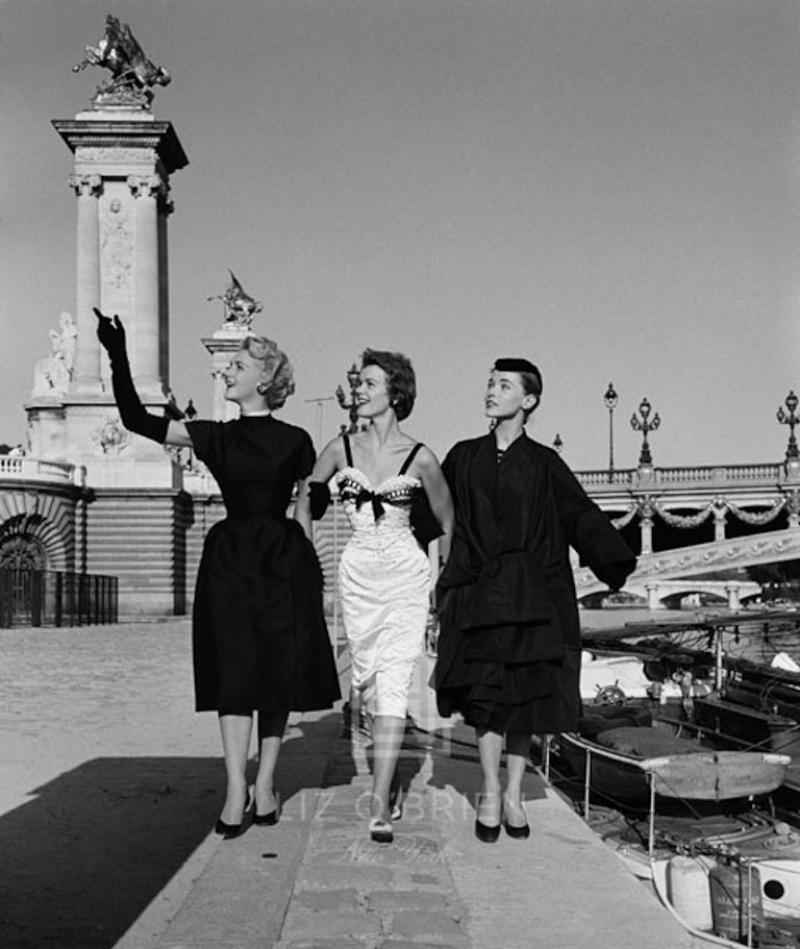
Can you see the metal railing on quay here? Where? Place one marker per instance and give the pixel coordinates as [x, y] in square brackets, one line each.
[56, 598]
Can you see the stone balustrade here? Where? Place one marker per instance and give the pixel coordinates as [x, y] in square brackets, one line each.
[719, 475]
[25, 468]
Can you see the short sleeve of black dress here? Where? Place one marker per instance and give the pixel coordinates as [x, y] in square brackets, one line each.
[208, 443]
[306, 457]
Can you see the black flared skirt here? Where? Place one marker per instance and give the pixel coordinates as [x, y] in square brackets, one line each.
[260, 640]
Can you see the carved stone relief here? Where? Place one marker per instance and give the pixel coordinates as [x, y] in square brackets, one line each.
[116, 244]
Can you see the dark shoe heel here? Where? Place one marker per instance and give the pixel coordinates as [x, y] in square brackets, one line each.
[486, 833]
[227, 831]
[520, 833]
[266, 819]
[271, 817]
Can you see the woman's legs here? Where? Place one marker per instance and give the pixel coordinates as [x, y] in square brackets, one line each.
[271, 727]
[387, 737]
[490, 748]
[235, 744]
[517, 752]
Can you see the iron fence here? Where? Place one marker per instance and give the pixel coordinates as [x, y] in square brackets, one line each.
[56, 598]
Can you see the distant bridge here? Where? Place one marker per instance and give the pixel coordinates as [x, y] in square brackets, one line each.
[658, 573]
[678, 507]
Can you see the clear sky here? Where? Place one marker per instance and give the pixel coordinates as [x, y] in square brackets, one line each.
[608, 187]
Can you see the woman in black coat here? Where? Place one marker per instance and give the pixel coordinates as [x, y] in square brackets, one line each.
[509, 647]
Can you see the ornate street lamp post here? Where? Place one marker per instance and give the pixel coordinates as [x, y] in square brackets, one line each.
[610, 399]
[791, 420]
[645, 426]
[189, 413]
[350, 407]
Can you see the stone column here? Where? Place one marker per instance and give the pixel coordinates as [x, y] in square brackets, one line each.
[646, 512]
[720, 517]
[793, 510]
[87, 295]
[732, 589]
[145, 350]
[653, 601]
[225, 342]
[222, 410]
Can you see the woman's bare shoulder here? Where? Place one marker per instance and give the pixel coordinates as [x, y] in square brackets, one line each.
[333, 451]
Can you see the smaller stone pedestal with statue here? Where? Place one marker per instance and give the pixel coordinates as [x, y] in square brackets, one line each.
[239, 308]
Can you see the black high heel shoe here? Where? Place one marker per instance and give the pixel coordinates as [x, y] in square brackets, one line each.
[229, 831]
[519, 832]
[269, 819]
[266, 819]
[488, 833]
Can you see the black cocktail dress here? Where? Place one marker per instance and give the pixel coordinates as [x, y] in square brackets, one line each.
[259, 635]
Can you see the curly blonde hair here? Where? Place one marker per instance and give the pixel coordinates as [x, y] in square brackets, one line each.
[276, 366]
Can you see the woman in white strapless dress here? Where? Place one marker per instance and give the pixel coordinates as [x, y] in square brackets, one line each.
[384, 575]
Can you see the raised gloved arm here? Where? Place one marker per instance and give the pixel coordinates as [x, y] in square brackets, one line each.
[133, 414]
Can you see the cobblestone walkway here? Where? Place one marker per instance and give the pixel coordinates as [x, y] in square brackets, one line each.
[350, 891]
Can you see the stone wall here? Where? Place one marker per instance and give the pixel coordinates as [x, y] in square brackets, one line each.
[140, 536]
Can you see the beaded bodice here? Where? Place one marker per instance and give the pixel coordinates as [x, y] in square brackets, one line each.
[382, 512]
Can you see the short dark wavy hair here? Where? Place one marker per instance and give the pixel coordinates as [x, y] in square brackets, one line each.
[400, 378]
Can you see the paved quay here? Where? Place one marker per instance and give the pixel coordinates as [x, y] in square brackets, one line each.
[111, 785]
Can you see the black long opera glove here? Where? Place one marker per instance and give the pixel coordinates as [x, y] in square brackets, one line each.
[319, 497]
[133, 414]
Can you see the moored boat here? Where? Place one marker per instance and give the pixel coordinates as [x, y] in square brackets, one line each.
[627, 763]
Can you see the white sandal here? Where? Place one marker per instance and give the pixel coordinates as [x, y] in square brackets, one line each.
[381, 831]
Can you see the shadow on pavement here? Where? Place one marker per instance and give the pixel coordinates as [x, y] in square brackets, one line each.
[94, 847]
[84, 858]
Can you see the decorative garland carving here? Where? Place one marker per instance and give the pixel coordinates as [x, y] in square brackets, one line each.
[686, 521]
[758, 520]
[626, 518]
[646, 508]
[793, 502]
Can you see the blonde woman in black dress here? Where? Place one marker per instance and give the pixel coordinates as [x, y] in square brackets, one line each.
[260, 642]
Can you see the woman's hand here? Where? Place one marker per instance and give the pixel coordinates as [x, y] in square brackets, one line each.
[111, 333]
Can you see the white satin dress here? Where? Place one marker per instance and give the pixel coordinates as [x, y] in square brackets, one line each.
[384, 580]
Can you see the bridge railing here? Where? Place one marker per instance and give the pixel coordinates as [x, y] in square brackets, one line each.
[700, 474]
[56, 598]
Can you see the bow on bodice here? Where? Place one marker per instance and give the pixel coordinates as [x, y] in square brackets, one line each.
[359, 494]
[375, 499]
